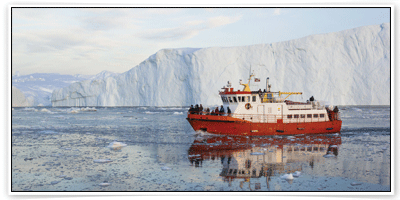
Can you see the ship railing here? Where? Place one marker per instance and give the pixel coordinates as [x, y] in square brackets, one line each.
[264, 118]
[208, 113]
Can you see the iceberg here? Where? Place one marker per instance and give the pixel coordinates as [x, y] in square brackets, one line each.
[18, 98]
[38, 87]
[350, 67]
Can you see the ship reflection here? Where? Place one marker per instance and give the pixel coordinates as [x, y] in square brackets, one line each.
[250, 158]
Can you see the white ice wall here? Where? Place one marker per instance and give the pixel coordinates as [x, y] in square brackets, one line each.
[350, 67]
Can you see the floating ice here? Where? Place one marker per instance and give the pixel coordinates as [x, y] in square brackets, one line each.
[104, 184]
[73, 111]
[116, 145]
[44, 110]
[355, 183]
[165, 168]
[287, 177]
[178, 113]
[54, 182]
[102, 161]
[296, 174]
[89, 109]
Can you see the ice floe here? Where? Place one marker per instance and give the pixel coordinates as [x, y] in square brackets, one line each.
[116, 145]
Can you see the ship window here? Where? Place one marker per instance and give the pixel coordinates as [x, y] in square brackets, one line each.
[289, 116]
[248, 99]
[315, 115]
[269, 96]
[242, 98]
[296, 116]
[234, 99]
[302, 116]
[254, 98]
[321, 115]
[230, 171]
[309, 115]
[222, 99]
[230, 100]
[235, 172]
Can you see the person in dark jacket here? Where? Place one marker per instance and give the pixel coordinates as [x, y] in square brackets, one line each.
[216, 111]
[201, 109]
[191, 109]
[196, 109]
[229, 111]
[222, 110]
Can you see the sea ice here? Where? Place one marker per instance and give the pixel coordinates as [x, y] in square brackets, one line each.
[296, 174]
[165, 168]
[287, 176]
[116, 145]
[102, 161]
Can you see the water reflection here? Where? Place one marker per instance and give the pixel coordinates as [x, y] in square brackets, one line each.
[251, 158]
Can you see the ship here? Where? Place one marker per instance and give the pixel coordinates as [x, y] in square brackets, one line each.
[262, 113]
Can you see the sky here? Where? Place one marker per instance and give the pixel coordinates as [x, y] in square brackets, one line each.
[90, 40]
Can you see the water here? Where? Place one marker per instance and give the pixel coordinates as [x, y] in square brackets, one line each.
[68, 149]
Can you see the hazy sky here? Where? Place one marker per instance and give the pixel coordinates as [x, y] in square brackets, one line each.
[90, 40]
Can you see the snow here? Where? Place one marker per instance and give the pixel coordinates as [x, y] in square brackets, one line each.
[350, 67]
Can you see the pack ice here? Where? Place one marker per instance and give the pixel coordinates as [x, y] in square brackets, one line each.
[350, 67]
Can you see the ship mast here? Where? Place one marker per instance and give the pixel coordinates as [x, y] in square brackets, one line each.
[247, 85]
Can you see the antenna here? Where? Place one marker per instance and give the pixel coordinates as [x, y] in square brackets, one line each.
[249, 76]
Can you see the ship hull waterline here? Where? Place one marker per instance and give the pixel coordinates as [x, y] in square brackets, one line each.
[226, 125]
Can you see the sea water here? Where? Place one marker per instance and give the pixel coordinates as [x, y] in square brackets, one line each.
[72, 149]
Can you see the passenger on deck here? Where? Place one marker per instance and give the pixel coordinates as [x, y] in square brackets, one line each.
[201, 109]
[229, 111]
[196, 109]
[207, 111]
[222, 111]
[212, 112]
[216, 111]
[191, 109]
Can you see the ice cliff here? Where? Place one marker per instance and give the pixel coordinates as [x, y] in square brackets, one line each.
[350, 67]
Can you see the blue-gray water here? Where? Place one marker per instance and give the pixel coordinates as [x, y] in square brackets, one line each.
[60, 149]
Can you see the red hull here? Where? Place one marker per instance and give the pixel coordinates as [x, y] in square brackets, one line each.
[226, 125]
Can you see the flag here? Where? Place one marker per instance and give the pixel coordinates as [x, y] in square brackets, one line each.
[256, 80]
